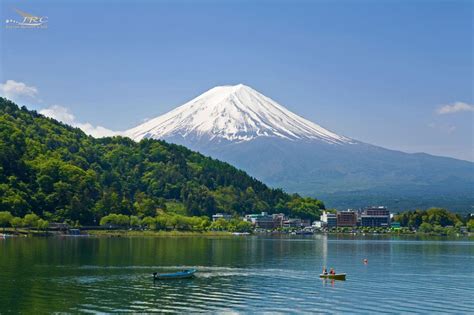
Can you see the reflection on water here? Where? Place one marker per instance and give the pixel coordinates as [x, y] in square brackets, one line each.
[242, 274]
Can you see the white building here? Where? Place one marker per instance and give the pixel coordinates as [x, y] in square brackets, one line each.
[329, 219]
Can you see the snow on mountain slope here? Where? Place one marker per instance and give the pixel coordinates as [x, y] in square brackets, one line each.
[235, 113]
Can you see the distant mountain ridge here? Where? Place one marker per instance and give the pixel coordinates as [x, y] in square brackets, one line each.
[241, 126]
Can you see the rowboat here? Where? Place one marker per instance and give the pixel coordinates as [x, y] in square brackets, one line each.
[339, 276]
[189, 273]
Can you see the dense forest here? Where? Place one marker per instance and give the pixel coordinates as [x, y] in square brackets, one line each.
[60, 174]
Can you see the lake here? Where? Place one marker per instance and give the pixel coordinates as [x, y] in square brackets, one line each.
[241, 274]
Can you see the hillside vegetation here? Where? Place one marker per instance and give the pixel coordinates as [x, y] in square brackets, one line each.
[60, 174]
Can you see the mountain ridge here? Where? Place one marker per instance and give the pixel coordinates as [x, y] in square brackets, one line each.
[320, 164]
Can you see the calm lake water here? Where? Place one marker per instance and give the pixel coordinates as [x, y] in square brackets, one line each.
[239, 274]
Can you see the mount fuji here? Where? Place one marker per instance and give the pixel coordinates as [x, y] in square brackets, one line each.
[236, 114]
[241, 126]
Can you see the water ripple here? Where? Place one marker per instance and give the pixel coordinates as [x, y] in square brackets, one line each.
[274, 276]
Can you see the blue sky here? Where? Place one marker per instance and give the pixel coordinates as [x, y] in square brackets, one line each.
[376, 71]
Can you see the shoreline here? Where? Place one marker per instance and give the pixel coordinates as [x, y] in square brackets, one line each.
[176, 233]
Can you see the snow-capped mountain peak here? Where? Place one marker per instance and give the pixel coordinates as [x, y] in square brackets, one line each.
[234, 113]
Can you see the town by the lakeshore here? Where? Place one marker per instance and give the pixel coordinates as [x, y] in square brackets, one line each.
[371, 220]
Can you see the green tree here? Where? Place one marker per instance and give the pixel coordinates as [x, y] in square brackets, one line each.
[305, 208]
[200, 223]
[470, 225]
[220, 225]
[134, 221]
[144, 205]
[433, 216]
[149, 222]
[162, 222]
[30, 220]
[42, 224]
[242, 226]
[16, 222]
[425, 227]
[5, 218]
[115, 219]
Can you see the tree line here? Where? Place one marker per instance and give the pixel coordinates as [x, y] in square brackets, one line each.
[178, 222]
[30, 220]
[433, 220]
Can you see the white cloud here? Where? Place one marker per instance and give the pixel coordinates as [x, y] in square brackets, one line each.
[16, 90]
[12, 89]
[59, 113]
[63, 114]
[454, 108]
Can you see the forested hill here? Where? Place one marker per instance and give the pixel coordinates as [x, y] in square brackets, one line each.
[60, 173]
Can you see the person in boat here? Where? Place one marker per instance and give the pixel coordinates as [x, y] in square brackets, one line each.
[325, 271]
[332, 272]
